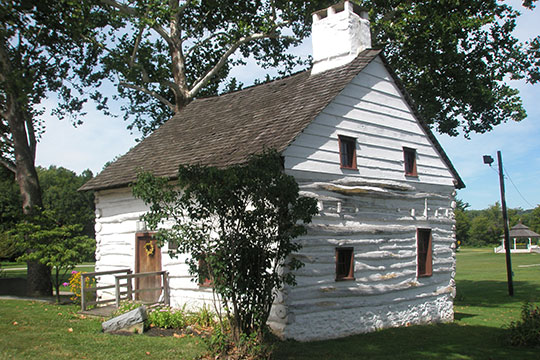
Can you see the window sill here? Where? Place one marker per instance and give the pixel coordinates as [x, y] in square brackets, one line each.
[346, 279]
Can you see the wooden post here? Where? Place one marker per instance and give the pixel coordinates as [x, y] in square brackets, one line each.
[129, 286]
[166, 296]
[83, 295]
[506, 231]
[117, 291]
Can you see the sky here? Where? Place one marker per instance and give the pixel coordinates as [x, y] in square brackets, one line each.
[100, 139]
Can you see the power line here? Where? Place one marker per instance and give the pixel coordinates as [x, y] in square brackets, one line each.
[515, 187]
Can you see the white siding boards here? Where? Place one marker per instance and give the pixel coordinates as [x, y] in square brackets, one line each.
[376, 210]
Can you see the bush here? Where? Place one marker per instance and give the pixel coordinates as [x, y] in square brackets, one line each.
[9, 249]
[526, 331]
[166, 317]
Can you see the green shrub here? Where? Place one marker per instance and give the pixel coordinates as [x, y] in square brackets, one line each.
[204, 317]
[166, 317]
[526, 331]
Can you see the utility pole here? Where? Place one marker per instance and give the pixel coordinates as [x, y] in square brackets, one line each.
[488, 160]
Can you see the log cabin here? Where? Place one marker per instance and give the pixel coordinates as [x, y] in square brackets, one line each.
[381, 252]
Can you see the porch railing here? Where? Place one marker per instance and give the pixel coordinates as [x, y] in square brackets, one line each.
[123, 287]
[86, 291]
[130, 293]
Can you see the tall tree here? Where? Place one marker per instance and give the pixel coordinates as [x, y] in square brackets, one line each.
[42, 51]
[453, 56]
[169, 52]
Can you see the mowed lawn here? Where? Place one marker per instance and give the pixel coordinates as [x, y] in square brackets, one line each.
[35, 330]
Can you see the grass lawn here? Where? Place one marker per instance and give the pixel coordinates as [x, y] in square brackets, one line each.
[482, 308]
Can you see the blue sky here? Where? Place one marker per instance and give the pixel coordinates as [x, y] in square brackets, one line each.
[100, 138]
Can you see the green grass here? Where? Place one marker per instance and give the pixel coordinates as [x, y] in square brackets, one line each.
[482, 309]
[42, 331]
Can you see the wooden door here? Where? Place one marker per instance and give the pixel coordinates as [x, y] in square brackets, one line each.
[148, 257]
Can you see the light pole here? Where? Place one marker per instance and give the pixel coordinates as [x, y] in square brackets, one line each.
[489, 160]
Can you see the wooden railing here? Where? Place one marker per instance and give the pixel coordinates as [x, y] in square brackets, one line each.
[130, 293]
[85, 291]
[123, 290]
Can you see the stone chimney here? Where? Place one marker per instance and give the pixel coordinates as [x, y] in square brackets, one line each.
[339, 34]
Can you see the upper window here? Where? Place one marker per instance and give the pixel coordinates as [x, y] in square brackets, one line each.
[409, 157]
[347, 152]
[424, 252]
[344, 264]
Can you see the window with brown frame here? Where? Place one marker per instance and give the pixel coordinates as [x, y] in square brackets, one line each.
[347, 152]
[344, 264]
[204, 277]
[424, 252]
[409, 157]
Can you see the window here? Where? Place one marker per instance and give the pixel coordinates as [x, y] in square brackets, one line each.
[409, 157]
[344, 264]
[347, 152]
[204, 275]
[424, 252]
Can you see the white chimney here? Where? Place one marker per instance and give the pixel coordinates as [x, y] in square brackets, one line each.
[339, 34]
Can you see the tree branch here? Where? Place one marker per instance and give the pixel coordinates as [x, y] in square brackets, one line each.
[148, 92]
[136, 47]
[201, 82]
[199, 43]
[8, 165]
[128, 10]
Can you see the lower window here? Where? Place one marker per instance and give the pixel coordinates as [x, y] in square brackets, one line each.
[424, 252]
[344, 263]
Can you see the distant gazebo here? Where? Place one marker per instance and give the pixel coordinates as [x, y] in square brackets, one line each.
[518, 234]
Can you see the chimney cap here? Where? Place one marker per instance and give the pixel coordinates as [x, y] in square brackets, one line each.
[341, 6]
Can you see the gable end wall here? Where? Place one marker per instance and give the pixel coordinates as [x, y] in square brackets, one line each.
[376, 210]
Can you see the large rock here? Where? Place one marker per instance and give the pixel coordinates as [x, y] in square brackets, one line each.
[132, 321]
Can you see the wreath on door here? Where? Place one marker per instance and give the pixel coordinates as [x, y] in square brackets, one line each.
[149, 249]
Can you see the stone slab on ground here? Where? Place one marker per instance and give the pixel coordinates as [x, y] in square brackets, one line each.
[132, 321]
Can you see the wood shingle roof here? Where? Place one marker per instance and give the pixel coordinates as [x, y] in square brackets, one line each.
[224, 130]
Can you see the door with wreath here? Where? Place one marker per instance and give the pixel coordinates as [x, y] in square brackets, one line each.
[148, 259]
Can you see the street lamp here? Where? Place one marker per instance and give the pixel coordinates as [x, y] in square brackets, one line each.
[489, 160]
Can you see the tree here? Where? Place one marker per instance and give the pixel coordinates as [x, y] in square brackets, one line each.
[237, 225]
[53, 245]
[453, 56]
[534, 220]
[43, 50]
[60, 194]
[170, 52]
[463, 223]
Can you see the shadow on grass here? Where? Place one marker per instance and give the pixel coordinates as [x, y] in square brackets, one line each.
[488, 293]
[13, 286]
[442, 341]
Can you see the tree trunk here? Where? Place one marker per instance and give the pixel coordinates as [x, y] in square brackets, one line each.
[38, 275]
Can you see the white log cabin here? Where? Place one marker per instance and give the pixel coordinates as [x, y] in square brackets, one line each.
[381, 252]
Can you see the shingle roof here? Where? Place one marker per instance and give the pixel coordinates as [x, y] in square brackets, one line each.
[224, 130]
[522, 231]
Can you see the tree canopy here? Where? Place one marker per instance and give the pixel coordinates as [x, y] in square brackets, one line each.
[61, 200]
[453, 56]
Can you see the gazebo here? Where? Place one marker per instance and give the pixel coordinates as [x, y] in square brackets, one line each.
[517, 233]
